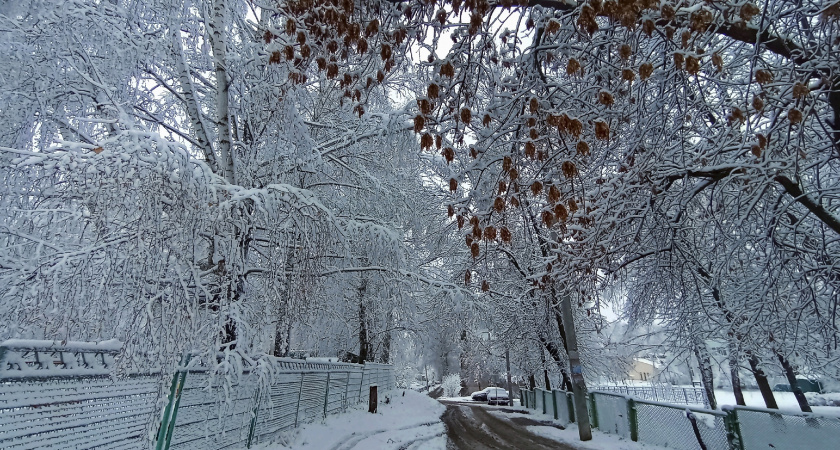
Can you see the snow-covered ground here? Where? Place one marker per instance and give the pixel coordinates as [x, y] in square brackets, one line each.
[785, 400]
[569, 435]
[410, 421]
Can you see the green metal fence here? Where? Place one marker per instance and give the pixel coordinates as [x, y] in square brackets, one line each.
[689, 428]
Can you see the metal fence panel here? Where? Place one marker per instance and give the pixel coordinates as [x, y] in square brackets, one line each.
[70, 412]
[612, 413]
[761, 428]
[563, 403]
[664, 394]
[669, 426]
[278, 408]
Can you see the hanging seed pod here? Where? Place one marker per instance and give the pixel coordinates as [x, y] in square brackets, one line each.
[762, 140]
[466, 115]
[438, 141]
[514, 202]
[502, 187]
[534, 105]
[800, 90]
[506, 163]
[717, 61]
[453, 184]
[485, 286]
[536, 188]
[268, 36]
[794, 116]
[433, 91]
[490, 233]
[476, 233]
[473, 152]
[758, 103]
[530, 149]
[474, 250]
[474, 221]
[602, 130]
[448, 154]
[582, 148]
[321, 61]
[756, 151]
[628, 75]
[426, 141]
[679, 58]
[460, 220]
[763, 76]
[505, 235]
[575, 127]
[486, 120]
[605, 98]
[419, 123]
[450, 210]
[361, 46]
[748, 11]
[305, 51]
[513, 174]
[648, 27]
[625, 51]
[573, 66]
[291, 26]
[380, 76]
[469, 240]
[385, 52]
[424, 106]
[548, 218]
[447, 70]
[467, 277]
[332, 70]
[692, 65]
[499, 204]
[667, 11]
[553, 194]
[645, 71]
[560, 212]
[572, 205]
[569, 169]
[533, 134]
[372, 28]
[301, 37]
[274, 58]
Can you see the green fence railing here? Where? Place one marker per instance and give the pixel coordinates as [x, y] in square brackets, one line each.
[688, 427]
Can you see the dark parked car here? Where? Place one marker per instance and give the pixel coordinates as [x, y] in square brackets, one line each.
[498, 396]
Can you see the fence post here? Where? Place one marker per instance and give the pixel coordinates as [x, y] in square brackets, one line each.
[346, 388]
[633, 418]
[570, 402]
[594, 409]
[300, 392]
[253, 427]
[327, 395]
[554, 400]
[362, 384]
[167, 424]
[733, 429]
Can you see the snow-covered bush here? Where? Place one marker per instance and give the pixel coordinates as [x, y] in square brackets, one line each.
[451, 385]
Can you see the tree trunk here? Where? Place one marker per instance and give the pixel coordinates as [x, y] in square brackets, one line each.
[704, 360]
[761, 380]
[364, 343]
[794, 386]
[733, 373]
[532, 381]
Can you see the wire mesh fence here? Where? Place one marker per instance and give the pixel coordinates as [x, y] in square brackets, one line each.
[690, 427]
[661, 393]
[61, 395]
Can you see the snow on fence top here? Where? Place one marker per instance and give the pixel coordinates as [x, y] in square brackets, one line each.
[21, 358]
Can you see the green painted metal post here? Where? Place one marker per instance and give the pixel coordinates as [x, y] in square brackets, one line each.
[554, 401]
[545, 409]
[253, 426]
[733, 429]
[300, 392]
[634, 420]
[327, 395]
[594, 408]
[167, 425]
[570, 401]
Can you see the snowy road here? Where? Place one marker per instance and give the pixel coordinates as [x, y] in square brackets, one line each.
[477, 427]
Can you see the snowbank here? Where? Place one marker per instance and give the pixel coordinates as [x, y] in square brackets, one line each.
[408, 421]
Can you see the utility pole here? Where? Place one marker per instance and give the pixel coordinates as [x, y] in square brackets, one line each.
[578, 383]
